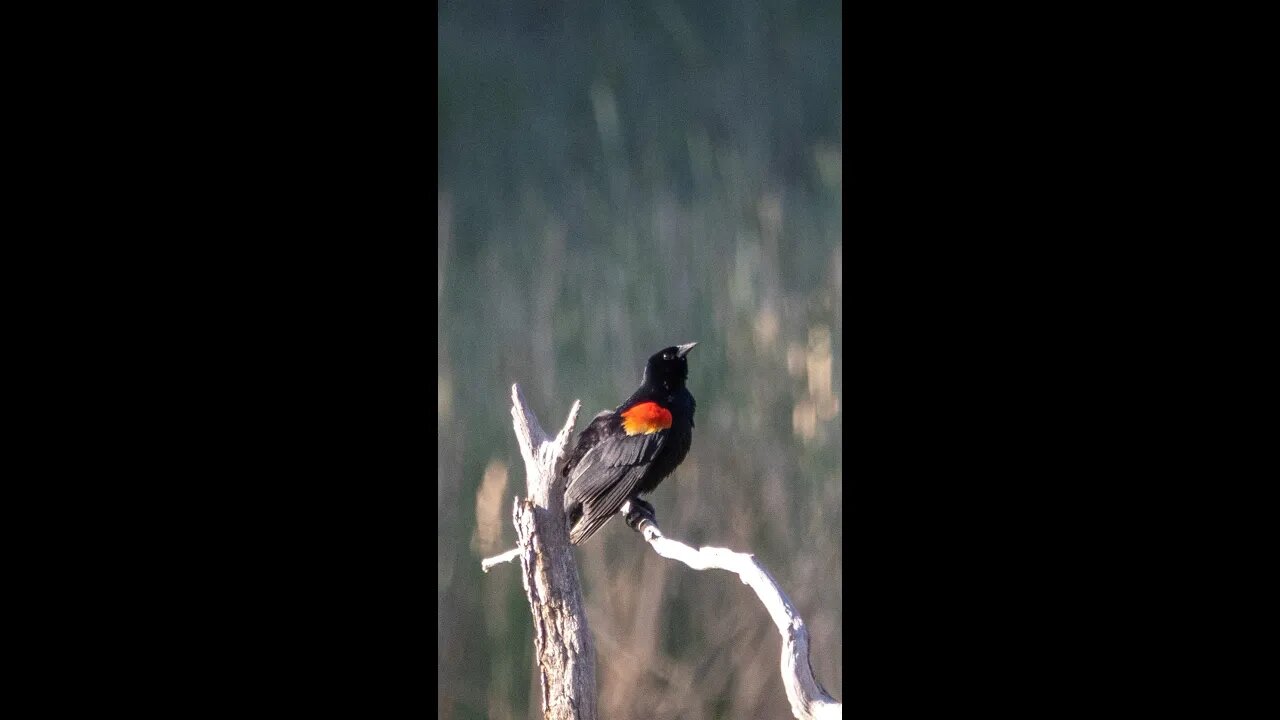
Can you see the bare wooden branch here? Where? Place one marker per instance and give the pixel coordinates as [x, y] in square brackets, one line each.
[509, 556]
[809, 700]
[562, 641]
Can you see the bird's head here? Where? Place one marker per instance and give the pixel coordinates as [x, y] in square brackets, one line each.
[668, 368]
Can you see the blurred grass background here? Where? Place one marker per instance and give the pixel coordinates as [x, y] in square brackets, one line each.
[616, 177]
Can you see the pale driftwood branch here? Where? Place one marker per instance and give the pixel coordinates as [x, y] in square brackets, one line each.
[561, 639]
[509, 556]
[809, 700]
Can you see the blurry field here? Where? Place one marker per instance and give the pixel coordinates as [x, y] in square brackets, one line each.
[615, 178]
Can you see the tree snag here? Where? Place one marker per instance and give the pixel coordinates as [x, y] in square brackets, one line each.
[561, 639]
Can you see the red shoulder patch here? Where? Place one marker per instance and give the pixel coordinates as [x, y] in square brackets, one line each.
[644, 418]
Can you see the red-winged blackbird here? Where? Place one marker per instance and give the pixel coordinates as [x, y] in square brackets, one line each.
[629, 450]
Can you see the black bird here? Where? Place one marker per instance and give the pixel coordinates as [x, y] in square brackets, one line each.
[629, 450]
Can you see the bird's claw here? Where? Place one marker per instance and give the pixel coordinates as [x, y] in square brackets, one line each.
[640, 511]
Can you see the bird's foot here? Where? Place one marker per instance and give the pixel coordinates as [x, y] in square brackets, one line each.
[638, 511]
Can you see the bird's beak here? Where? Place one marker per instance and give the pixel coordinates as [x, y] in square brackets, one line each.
[682, 350]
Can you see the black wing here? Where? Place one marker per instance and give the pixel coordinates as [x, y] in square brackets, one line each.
[605, 476]
[587, 439]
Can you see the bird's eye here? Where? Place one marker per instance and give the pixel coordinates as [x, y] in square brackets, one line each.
[667, 356]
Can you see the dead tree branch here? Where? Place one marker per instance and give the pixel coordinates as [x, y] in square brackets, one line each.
[809, 700]
[506, 557]
[562, 641]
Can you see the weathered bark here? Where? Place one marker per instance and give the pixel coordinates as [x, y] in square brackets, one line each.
[562, 641]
